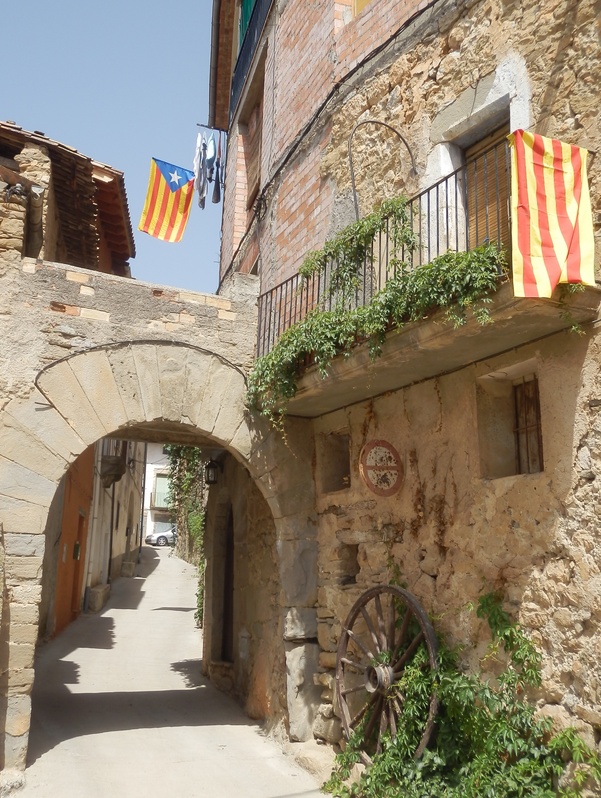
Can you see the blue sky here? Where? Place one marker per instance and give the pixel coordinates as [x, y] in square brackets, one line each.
[122, 81]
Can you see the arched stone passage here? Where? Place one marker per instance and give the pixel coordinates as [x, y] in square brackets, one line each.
[108, 391]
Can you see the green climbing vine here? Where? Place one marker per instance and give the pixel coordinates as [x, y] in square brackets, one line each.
[489, 742]
[454, 281]
[187, 503]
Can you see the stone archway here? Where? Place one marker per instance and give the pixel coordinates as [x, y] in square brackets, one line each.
[108, 390]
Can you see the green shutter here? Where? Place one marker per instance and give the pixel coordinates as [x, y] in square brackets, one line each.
[245, 14]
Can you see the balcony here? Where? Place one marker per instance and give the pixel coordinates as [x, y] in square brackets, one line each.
[253, 32]
[159, 499]
[463, 210]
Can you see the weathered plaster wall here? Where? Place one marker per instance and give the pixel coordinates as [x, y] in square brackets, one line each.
[257, 671]
[449, 534]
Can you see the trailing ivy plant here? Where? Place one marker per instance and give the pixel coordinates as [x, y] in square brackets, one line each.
[489, 742]
[454, 281]
[352, 246]
[187, 504]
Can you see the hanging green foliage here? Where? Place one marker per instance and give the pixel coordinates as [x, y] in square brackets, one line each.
[187, 504]
[489, 742]
[455, 281]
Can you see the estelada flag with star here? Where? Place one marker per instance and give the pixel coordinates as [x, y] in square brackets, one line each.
[168, 201]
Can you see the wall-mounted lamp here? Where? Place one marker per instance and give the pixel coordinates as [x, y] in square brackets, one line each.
[212, 470]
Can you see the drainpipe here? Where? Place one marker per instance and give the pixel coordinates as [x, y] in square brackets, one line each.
[93, 532]
[213, 64]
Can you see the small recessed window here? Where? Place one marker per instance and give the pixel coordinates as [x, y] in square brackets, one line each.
[509, 423]
[528, 435]
[335, 462]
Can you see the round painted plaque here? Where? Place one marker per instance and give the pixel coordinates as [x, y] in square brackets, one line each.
[381, 468]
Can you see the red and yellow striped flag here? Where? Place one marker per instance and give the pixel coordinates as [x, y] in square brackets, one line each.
[552, 224]
[168, 201]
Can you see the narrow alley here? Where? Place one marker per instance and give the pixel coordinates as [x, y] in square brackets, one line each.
[120, 708]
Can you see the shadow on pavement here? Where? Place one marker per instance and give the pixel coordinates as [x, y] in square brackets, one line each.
[190, 669]
[68, 715]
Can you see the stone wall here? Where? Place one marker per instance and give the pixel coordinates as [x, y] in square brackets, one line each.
[450, 534]
[255, 669]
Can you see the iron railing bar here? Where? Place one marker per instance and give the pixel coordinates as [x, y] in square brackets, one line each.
[288, 303]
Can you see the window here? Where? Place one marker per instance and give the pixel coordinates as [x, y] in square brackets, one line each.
[161, 491]
[509, 422]
[528, 436]
[487, 187]
[335, 462]
[246, 10]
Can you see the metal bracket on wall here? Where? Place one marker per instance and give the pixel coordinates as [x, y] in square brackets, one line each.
[350, 154]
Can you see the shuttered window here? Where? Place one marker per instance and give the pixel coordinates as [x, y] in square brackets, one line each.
[528, 434]
[487, 186]
[246, 10]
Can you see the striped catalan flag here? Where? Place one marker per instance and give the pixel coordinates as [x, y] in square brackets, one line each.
[168, 201]
[552, 223]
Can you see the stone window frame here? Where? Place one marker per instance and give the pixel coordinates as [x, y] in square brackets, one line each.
[497, 98]
[500, 432]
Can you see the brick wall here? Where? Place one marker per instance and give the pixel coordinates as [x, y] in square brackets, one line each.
[311, 46]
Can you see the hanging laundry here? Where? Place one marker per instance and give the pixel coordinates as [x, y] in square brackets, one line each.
[200, 169]
[217, 187]
[210, 158]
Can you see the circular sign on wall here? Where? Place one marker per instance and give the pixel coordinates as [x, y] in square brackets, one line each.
[381, 468]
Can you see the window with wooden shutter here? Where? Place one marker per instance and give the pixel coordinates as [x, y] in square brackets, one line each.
[487, 187]
[252, 152]
[528, 434]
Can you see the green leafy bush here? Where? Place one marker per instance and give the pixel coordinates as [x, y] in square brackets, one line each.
[489, 741]
[454, 281]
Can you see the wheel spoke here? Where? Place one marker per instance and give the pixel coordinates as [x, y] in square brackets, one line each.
[349, 690]
[392, 721]
[361, 668]
[380, 615]
[399, 665]
[383, 727]
[371, 628]
[403, 632]
[359, 716]
[360, 643]
[391, 624]
[371, 723]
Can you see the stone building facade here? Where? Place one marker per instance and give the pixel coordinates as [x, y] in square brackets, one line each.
[88, 355]
[295, 533]
[446, 75]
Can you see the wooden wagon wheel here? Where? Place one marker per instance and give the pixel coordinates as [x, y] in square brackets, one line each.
[386, 632]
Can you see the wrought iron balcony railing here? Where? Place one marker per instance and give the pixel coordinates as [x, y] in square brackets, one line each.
[467, 208]
[159, 499]
[253, 32]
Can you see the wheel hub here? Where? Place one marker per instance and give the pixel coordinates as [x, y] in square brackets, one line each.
[378, 678]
